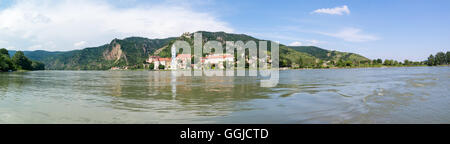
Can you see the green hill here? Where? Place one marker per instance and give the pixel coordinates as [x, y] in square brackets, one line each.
[133, 51]
[288, 56]
[328, 55]
[38, 55]
[127, 52]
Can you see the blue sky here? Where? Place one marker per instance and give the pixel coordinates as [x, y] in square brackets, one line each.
[387, 29]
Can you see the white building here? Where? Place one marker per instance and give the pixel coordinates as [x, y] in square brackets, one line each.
[184, 61]
[157, 61]
[217, 60]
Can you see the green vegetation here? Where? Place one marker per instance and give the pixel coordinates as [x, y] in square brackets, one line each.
[17, 62]
[5, 61]
[327, 55]
[21, 62]
[131, 53]
[441, 58]
[288, 56]
[321, 58]
[161, 67]
[151, 66]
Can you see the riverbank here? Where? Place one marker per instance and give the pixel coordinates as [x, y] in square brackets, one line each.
[16, 71]
[285, 68]
[281, 68]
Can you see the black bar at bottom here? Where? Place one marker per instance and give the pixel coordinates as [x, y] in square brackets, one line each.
[221, 133]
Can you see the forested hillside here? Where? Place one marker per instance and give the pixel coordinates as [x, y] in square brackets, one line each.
[133, 51]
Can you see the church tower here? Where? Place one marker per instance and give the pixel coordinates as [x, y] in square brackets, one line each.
[173, 65]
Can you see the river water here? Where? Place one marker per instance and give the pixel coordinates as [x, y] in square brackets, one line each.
[366, 95]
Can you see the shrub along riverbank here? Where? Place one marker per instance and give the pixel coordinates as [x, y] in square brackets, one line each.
[18, 62]
[440, 59]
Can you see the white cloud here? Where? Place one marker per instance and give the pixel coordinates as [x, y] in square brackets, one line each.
[314, 42]
[80, 44]
[34, 22]
[334, 11]
[295, 43]
[352, 35]
[306, 43]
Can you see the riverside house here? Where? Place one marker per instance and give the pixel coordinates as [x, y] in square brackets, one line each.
[217, 60]
[157, 61]
[183, 60]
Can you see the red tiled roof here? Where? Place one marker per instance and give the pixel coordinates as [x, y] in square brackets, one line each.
[164, 59]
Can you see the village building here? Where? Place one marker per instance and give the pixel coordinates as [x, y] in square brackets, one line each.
[217, 60]
[115, 68]
[152, 59]
[157, 61]
[119, 68]
[184, 61]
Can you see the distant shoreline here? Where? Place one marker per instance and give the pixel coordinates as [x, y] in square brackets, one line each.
[281, 69]
[362, 67]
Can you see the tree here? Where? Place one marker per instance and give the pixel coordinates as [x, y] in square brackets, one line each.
[387, 62]
[3, 51]
[37, 65]
[365, 62]
[161, 67]
[407, 62]
[319, 64]
[5, 63]
[139, 66]
[448, 57]
[18, 61]
[151, 66]
[440, 58]
[341, 63]
[395, 63]
[374, 62]
[430, 61]
[348, 63]
[300, 62]
[21, 62]
[379, 61]
[285, 63]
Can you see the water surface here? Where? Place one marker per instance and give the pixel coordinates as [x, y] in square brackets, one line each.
[372, 95]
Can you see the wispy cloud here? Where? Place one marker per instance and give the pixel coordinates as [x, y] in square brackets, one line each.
[314, 42]
[80, 44]
[334, 11]
[306, 43]
[289, 39]
[352, 35]
[67, 22]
